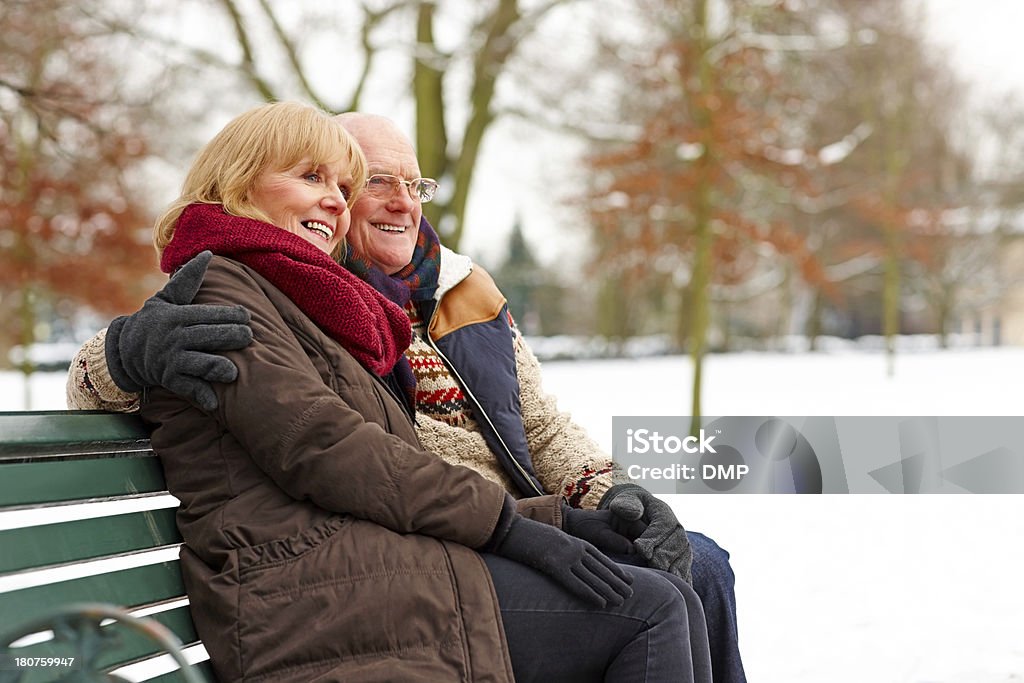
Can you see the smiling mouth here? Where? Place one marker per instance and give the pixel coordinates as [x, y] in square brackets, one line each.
[321, 230]
[387, 227]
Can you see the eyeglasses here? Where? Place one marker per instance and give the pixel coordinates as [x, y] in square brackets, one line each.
[384, 186]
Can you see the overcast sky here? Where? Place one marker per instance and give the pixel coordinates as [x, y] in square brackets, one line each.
[984, 37]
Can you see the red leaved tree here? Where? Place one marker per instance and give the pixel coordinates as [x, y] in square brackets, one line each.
[690, 193]
[72, 230]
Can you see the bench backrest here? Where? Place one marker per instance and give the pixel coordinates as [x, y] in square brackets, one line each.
[85, 517]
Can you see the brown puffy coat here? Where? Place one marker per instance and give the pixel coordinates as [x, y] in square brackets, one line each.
[322, 542]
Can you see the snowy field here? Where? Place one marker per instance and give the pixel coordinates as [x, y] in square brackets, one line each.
[831, 589]
[854, 588]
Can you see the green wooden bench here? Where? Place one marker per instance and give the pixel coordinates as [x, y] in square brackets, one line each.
[85, 517]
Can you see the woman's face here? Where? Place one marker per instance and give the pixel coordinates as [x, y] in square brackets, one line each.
[309, 201]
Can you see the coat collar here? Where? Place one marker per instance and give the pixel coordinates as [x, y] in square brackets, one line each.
[454, 269]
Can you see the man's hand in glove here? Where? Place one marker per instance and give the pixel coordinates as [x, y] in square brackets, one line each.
[664, 544]
[578, 566]
[170, 342]
[605, 530]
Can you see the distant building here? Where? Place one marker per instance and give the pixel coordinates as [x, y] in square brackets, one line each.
[992, 314]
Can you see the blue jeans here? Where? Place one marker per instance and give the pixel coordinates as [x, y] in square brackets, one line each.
[657, 636]
[714, 582]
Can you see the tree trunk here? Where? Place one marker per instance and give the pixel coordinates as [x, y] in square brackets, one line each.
[813, 330]
[27, 313]
[891, 301]
[428, 88]
[700, 313]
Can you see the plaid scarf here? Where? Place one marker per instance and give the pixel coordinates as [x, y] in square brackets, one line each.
[374, 330]
[416, 281]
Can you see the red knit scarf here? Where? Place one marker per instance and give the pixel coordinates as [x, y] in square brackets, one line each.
[374, 330]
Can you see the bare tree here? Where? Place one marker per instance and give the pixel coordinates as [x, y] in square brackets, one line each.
[692, 189]
[451, 122]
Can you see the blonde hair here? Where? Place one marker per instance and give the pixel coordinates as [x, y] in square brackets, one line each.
[270, 137]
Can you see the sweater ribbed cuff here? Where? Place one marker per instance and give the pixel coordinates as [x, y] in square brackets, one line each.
[614, 491]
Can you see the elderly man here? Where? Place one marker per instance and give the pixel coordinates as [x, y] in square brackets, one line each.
[479, 401]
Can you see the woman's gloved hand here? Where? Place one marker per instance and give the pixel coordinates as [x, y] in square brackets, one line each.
[577, 565]
[605, 530]
[664, 543]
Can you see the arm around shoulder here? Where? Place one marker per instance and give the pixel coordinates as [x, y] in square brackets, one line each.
[90, 386]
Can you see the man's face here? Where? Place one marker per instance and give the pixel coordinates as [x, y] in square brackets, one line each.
[384, 230]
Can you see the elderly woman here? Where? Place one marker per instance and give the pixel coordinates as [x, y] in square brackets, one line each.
[321, 541]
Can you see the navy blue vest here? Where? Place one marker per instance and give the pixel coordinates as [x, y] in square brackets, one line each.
[482, 358]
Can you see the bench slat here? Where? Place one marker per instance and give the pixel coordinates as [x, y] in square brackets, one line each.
[130, 587]
[66, 480]
[131, 645]
[86, 539]
[21, 429]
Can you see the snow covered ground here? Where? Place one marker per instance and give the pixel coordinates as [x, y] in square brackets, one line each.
[854, 588]
[831, 589]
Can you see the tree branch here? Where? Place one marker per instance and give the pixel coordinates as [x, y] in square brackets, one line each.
[293, 57]
[490, 60]
[428, 86]
[248, 65]
[529, 20]
[149, 37]
[372, 20]
[592, 130]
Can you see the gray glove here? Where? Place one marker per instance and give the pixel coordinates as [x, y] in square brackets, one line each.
[169, 342]
[664, 544]
[607, 531]
[575, 564]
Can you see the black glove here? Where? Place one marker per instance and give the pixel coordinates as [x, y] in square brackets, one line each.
[572, 562]
[605, 530]
[168, 343]
[664, 544]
